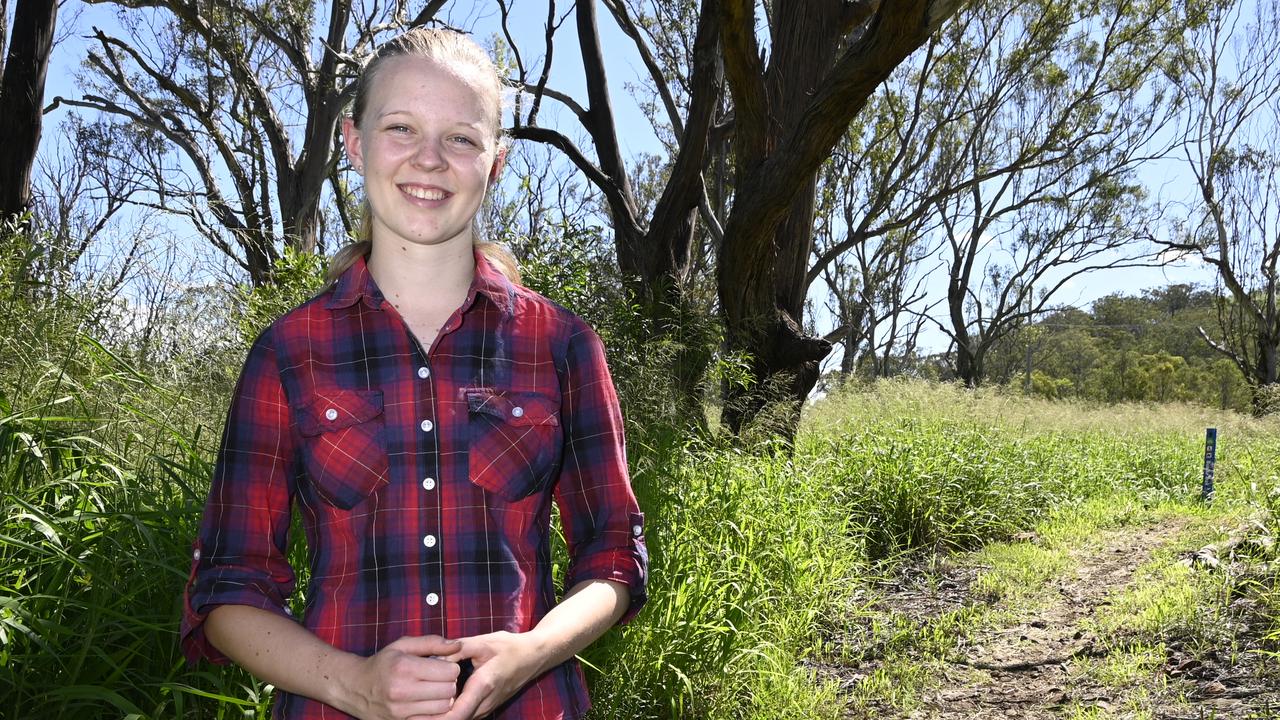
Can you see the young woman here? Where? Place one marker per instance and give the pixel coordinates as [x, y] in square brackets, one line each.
[420, 414]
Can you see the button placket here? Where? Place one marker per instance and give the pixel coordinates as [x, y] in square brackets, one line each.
[430, 538]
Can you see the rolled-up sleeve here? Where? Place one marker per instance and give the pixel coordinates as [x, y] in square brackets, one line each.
[602, 523]
[240, 554]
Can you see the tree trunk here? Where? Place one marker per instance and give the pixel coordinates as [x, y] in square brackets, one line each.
[827, 58]
[4, 32]
[767, 319]
[21, 97]
[259, 257]
[969, 362]
[1266, 389]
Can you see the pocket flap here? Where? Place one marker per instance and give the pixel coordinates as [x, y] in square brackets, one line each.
[332, 410]
[513, 408]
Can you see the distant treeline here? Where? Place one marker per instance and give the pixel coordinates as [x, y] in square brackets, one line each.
[1124, 348]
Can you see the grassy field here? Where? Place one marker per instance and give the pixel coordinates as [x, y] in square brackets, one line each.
[763, 564]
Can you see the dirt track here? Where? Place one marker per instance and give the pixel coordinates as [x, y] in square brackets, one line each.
[1032, 669]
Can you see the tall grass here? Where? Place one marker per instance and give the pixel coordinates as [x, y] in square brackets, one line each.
[100, 504]
[756, 557]
[748, 553]
[103, 470]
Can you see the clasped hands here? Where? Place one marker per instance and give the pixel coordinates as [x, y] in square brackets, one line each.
[415, 678]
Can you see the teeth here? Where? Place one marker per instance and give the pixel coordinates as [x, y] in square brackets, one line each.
[424, 194]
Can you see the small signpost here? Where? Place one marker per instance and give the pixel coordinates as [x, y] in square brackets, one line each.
[1210, 456]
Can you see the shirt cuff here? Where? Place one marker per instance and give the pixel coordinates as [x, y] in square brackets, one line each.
[203, 594]
[627, 564]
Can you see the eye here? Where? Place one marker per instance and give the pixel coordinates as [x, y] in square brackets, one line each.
[464, 140]
[398, 128]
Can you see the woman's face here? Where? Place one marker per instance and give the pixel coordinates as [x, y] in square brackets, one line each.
[427, 150]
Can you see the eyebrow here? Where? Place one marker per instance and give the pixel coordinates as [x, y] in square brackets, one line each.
[478, 124]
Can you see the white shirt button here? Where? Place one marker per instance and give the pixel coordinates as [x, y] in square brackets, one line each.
[636, 530]
[517, 411]
[429, 484]
[429, 541]
[433, 599]
[331, 414]
[196, 556]
[427, 425]
[424, 373]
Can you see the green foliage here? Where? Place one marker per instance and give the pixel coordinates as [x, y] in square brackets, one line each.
[954, 485]
[662, 378]
[103, 469]
[1048, 387]
[756, 559]
[748, 556]
[296, 277]
[1126, 348]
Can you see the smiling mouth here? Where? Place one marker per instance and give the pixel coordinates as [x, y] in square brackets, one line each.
[424, 193]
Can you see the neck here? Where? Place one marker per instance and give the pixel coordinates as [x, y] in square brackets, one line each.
[423, 277]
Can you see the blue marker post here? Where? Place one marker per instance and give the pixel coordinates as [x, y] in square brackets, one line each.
[1210, 456]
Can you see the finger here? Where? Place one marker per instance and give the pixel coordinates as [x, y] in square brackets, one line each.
[422, 708]
[438, 670]
[469, 649]
[405, 690]
[467, 705]
[426, 645]
[414, 669]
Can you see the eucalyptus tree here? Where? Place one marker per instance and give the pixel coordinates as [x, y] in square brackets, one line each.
[22, 78]
[77, 199]
[794, 84]
[873, 273]
[873, 232]
[1043, 113]
[654, 244]
[656, 238]
[1229, 81]
[1005, 151]
[247, 98]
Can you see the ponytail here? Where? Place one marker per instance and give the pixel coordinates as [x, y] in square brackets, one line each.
[501, 259]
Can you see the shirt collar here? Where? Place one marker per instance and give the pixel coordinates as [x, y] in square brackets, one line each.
[355, 283]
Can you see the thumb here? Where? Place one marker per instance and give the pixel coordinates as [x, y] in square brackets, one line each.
[427, 645]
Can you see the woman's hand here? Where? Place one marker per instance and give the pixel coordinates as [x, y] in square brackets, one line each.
[504, 662]
[406, 680]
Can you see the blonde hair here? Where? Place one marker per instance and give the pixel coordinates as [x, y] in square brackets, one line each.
[454, 50]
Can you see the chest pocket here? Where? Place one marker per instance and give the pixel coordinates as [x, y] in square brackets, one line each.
[343, 447]
[514, 441]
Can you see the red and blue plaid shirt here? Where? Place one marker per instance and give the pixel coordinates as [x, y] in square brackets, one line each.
[424, 479]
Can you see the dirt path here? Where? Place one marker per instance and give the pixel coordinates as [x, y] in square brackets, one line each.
[1032, 670]
[1023, 671]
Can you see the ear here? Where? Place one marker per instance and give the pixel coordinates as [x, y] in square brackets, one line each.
[499, 162]
[351, 141]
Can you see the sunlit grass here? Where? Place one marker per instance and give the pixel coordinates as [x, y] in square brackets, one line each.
[761, 563]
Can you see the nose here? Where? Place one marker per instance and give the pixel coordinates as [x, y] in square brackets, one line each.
[429, 154]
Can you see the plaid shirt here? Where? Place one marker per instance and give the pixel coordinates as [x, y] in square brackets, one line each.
[424, 479]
